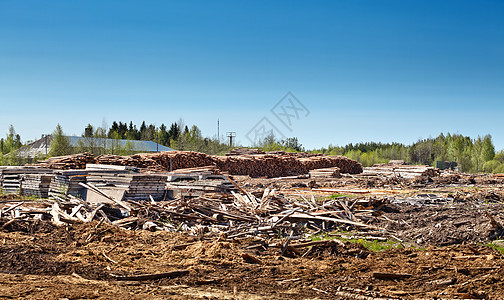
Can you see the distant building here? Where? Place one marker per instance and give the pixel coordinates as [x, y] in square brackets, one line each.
[40, 148]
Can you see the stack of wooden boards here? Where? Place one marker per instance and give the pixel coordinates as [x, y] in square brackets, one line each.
[333, 172]
[14, 179]
[99, 183]
[134, 186]
[36, 185]
[67, 182]
[403, 171]
[257, 165]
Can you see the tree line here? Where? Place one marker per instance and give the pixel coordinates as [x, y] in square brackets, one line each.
[105, 140]
[471, 155]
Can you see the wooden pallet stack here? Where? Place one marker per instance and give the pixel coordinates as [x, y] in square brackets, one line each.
[36, 185]
[66, 182]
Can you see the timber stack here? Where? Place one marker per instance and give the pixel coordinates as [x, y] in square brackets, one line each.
[144, 186]
[333, 172]
[270, 165]
[67, 182]
[36, 185]
[256, 165]
[244, 151]
[345, 164]
[67, 162]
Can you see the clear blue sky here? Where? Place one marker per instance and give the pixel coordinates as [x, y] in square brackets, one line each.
[366, 70]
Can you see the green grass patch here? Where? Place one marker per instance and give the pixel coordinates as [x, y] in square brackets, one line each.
[371, 245]
[499, 247]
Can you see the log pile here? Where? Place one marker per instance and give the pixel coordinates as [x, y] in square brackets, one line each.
[259, 165]
[162, 161]
[345, 164]
[67, 162]
[283, 165]
[244, 151]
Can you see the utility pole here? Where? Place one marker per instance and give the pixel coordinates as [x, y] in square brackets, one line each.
[45, 139]
[218, 130]
[231, 135]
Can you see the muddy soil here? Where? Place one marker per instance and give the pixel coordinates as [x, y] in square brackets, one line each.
[40, 260]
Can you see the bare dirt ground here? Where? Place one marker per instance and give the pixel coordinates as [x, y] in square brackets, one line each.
[443, 254]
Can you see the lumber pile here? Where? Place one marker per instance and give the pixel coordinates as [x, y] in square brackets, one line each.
[11, 177]
[403, 171]
[144, 186]
[333, 172]
[36, 185]
[257, 165]
[11, 183]
[66, 182]
[260, 165]
[67, 162]
[264, 218]
[135, 186]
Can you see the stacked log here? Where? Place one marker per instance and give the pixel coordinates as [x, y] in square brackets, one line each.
[283, 165]
[244, 151]
[74, 161]
[345, 164]
[162, 161]
[260, 165]
[174, 160]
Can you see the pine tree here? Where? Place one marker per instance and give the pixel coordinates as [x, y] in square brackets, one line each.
[60, 144]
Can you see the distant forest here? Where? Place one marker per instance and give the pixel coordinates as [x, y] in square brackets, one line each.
[471, 154]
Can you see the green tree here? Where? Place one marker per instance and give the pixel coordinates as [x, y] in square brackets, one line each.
[60, 144]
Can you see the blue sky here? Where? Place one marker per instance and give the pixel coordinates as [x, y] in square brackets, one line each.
[366, 70]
